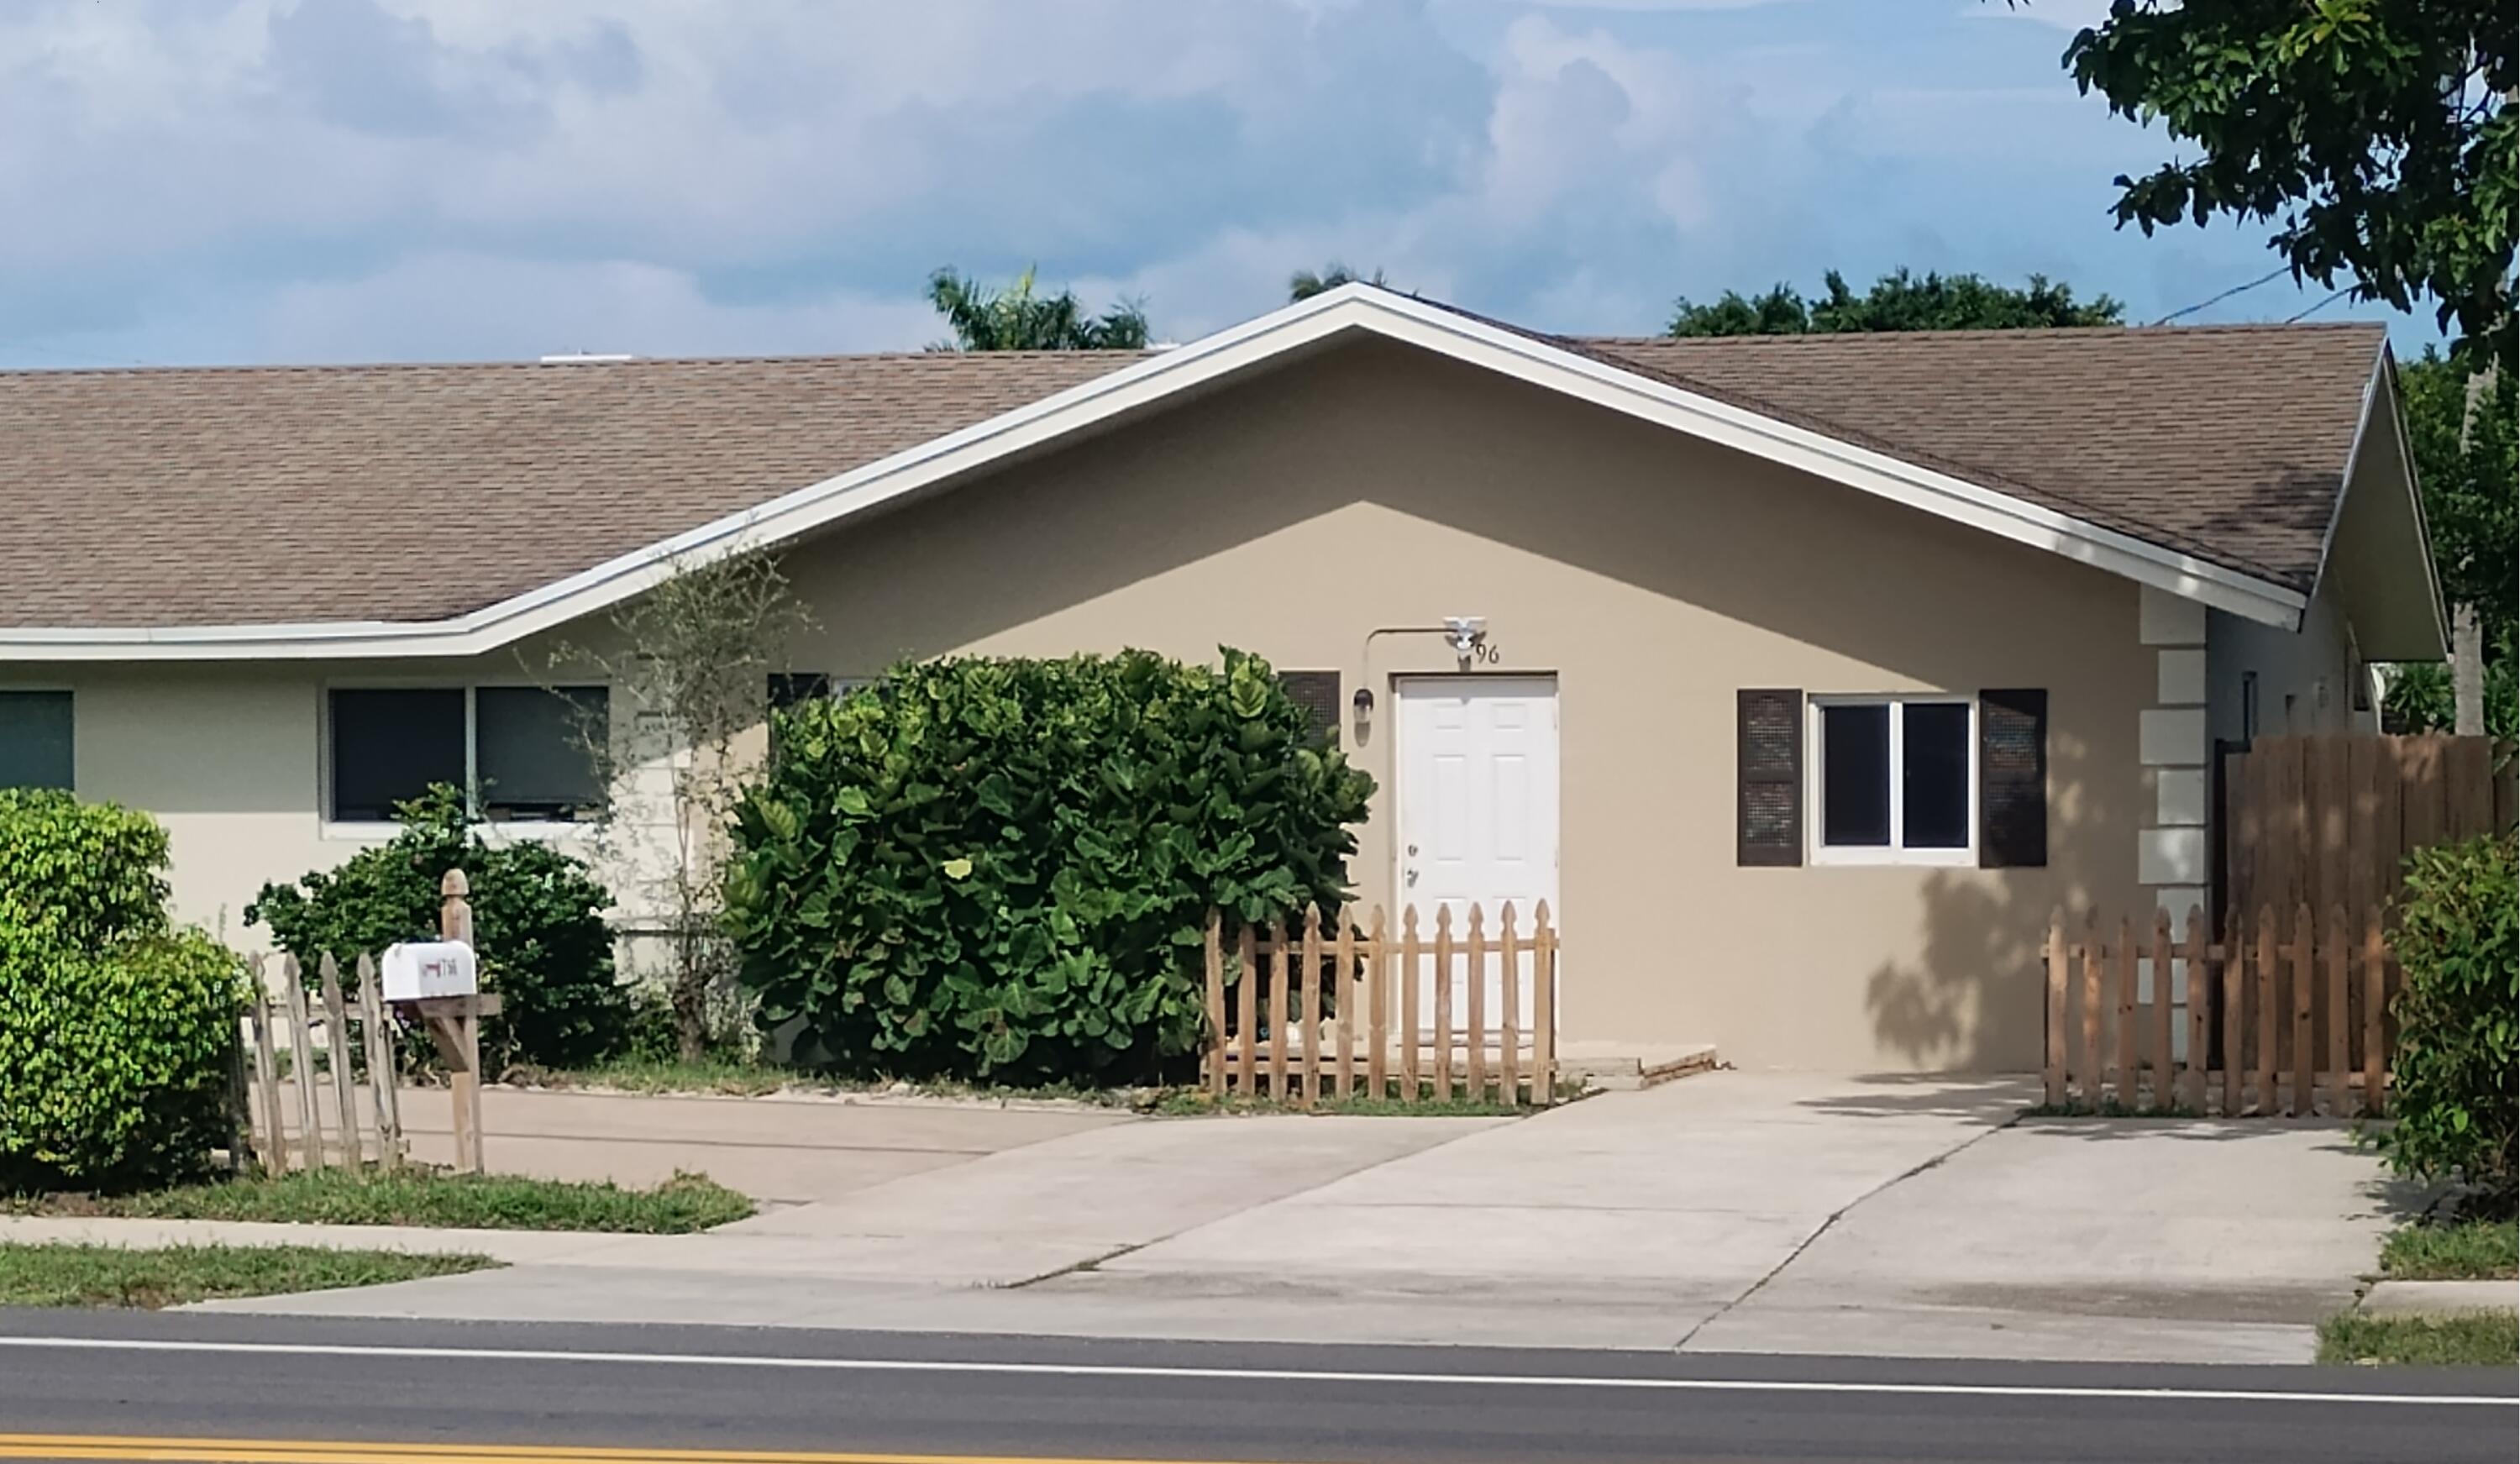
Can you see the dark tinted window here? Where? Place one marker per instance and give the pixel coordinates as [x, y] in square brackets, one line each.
[789, 689]
[1855, 774]
[1934, 746]
[36, 739]
[536, 751]
[389, 746]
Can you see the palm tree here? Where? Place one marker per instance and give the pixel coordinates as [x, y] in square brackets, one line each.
[1303, 284]
[1017, 320]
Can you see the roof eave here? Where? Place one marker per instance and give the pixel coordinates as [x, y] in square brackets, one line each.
[1140, 386]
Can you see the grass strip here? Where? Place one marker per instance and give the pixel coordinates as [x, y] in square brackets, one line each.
[2477, 1250]
[2483, 1338]
[425, 1197]
[103, 1275]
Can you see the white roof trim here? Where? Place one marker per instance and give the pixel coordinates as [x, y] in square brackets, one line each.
[1349, 308]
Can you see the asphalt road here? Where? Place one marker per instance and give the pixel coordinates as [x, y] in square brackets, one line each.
[281, 1390]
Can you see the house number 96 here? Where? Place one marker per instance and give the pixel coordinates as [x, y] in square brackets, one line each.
[1485, 653]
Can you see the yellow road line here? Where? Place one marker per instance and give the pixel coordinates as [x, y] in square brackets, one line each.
[348, 1451]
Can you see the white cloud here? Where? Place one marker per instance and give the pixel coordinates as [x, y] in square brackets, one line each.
[256, 178]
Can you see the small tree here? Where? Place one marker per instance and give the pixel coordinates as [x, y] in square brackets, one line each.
[1303, 284]
[689, 663]
[1015, 318]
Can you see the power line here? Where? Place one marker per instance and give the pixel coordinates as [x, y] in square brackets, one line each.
[2321, 305]
[2278, 270]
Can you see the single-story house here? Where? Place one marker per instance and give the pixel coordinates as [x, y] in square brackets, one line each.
[1805, 677]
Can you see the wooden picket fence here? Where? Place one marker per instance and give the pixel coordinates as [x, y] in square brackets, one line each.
[324, 1077]
[318, 1074]
[1332, 1009]
[2289, 1017]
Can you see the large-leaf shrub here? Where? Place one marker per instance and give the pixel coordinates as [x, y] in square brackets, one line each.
[116, 1033]
[537, 926]
[2459, 940]
[999, 869]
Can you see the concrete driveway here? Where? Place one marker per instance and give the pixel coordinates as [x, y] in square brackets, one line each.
[2136, 1240]
[1734, 1212]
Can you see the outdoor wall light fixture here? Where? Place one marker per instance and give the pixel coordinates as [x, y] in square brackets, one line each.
[1468, 635]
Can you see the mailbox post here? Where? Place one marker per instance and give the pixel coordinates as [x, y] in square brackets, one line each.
[440, 982]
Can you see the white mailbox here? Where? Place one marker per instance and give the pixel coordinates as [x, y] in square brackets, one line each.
[431, 968]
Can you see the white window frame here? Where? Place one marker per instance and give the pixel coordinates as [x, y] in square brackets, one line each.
[373, 830]
[1815, 772]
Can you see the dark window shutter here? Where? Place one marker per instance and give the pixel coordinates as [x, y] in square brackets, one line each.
[1318, 694]
[1770, 759]
[2013, 779]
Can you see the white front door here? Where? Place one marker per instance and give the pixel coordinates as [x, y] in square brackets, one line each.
[1478, 814]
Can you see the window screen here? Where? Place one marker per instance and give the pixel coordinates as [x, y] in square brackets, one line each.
[1318, 694]
[36, 739]
[1934, 788]
[389, 746]
[536, 748]
[1855, 774]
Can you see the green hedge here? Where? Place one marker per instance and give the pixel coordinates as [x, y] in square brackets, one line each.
[116, 1033]
[537, 926]
[114, 1063]
[999, 871]
[83, 873]
[2459, 940]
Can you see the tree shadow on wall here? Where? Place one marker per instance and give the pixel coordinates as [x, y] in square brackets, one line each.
[1975, 998]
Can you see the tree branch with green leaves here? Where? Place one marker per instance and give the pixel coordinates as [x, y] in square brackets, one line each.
[2377, 135]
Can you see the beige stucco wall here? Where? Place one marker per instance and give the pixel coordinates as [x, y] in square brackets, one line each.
[229, 759]
[1651, 576]
[1654, 578]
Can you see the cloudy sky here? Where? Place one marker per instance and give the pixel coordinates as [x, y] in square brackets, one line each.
[334, 180]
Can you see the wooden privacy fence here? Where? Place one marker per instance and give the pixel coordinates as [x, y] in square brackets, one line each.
[2287, 1016]
[2329, 821]
[1337, 1009]
[322, 1078]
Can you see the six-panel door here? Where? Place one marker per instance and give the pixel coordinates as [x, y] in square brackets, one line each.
[1477, 761]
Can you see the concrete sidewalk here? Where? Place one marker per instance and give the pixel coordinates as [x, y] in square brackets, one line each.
[779, 1149]
[1732, 1212]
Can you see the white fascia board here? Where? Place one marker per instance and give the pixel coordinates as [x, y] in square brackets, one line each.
[1353, 307]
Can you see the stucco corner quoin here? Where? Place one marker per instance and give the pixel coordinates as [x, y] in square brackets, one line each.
[1144, 384]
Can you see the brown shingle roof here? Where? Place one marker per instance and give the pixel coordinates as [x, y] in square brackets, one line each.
[236, 496]
[263, 495]
[2227, 442]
